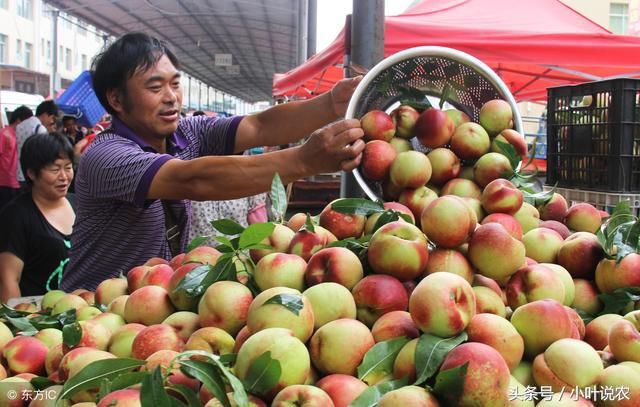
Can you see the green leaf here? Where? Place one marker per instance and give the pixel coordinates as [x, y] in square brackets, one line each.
[227, 227]
[448, 94]
[357, 206]
[223, 270]
[430, 353]
[450, 383]
[411, 93]
[255, 234]
[370, 396]
[539, 198]
[92, 374]
[510, 152]
[197, 242]
[617, 301]
[292, 302]
[309, 224]
[622, 208]
[379, 359]
[126, 380]
[187, 394]
[263, 375]
[191, 283]
[22, 325]
[209, 376]
[584, 315]
[419, 106]
[387, 216]
[105, 388]
[278, 198]
[41, 383]
[152, 392]
[228, 359]
[226, 242]
[71, 334]
[6, 311]
[239, 393]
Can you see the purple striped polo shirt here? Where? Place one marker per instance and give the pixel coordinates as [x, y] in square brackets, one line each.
[116, 227]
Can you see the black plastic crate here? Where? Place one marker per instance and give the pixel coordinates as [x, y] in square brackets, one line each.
[593, 136]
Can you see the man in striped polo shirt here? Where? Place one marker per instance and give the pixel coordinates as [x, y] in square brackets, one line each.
[136, 180]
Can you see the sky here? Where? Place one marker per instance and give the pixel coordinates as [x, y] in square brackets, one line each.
[331, 17]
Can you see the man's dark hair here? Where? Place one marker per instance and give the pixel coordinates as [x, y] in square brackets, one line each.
[47, 107]
[121, 60]
[198, 113]
[67, 118]
[40, 150]
[21, 113]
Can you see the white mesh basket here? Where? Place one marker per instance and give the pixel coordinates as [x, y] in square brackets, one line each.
[469, 83]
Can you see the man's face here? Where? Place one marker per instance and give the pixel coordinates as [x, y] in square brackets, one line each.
[151, 104]
[69, 126]
[49, 121]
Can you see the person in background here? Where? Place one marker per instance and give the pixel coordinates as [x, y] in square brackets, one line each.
[198, 113]
[9, 185]
[136, 181]
[71, 130]
[42, 123]
[36, 226]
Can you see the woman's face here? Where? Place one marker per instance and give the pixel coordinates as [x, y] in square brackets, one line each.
[53, 180]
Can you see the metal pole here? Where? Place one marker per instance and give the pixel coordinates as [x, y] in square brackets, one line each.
[303, 8]
[208, 100]
[189, 95]
[367, 49]
[54, 62]
[312, 25]
[199, 95]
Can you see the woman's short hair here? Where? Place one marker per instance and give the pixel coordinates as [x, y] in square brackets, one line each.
[121, 60]
[41, 150]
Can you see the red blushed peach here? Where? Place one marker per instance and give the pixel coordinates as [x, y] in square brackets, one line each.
[159, 275]
[378, 294]
[279, 240]
[202, 254]
[618, 377]
[442, 304]
[586, 296]
[404, 118]
[542, 244]
[24, 354]
[462, 187]
[555, 209]
[342, 225]
[109, 289]
[507, 221]
[487, 301]
[410, 169]
[470, 141]
[611, 275]
[327, 346]
[494, 253]
[498, 333]
[533, 283]
[405, 363]
[501, 196]
[532, 321]
[296, 221]
[342, 389]
[180, 299]
[487, 380]
[434, 128]
[417, 199]
[148, 305]
[124, 398]
[449, 260]
[448, 221]
[394, 324]
[583, 217]
[597, 330]
[514, 138]
[154, 338]
[225, 305]
[377, 158]
[398, 249]
[489, 167]
[557, 226]
[580, 254]
[408, 396]
[482, 281]
[377, 125]
[445, 165]
[176, 261]
[305, 242]
[334, 264]
[164, 358]
[241, 337]
[624, 340]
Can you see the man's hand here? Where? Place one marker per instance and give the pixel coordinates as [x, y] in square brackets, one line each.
[340, 94]
[337, 146]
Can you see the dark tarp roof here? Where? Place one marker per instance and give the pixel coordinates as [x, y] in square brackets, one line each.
[261, 35]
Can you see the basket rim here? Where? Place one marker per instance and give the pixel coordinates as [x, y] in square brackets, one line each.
[429, 51]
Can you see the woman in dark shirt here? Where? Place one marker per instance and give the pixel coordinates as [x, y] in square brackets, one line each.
[36, 226]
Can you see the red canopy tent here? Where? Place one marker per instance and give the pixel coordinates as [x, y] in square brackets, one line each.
[531, 45]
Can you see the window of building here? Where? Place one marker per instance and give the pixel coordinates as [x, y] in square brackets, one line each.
[85, 65]
[4, 4]
[42, 47]
[67, 59]
[48, 52]
[82, 28]
[19, 50]
[61, 53]
[66, 21]
[28, 57]
[3, 48]
[25, 8]
[619, 18]
[25, 87]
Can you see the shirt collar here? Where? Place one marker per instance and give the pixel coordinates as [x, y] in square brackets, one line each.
[175, 141]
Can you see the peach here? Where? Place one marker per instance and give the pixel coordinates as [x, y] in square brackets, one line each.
[378, 294]
[148, 305]
[394, 324]
[583, 217]
[377, 125]
[488, 301]
[597, 330]
[279, 240]
[489, 167]
[327, 350]
[567, 363]
[262, 316]
[487, 380]
[434, 128]
[442, 304]
[514, 138]
[580, 254]
[342, 225]
[24, 354]
[557, 226]
[404, 117]
[330, 301]
[621, 377]
[445, 165]
[448, 221]
[542, 244]
[154, 338]
[498, 333]
[410, 169]
[109, 289]
[408, 396]
[531, 283]
[225, 304]
[470, 141]
[554, 209]
[211, 339]
[121, 341]
[305, 242]
[501, 196]
[507, 221]
[184, 322]
[377, 157]
[123, 398]
[611, 275]
[342, 389]
[302, 394]
[417, 199]
[586, 296]
[624, 339]
[405, 363]
[159, 275]
[494, 253]
[528, 217]
[451, 261]
[334, 264]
